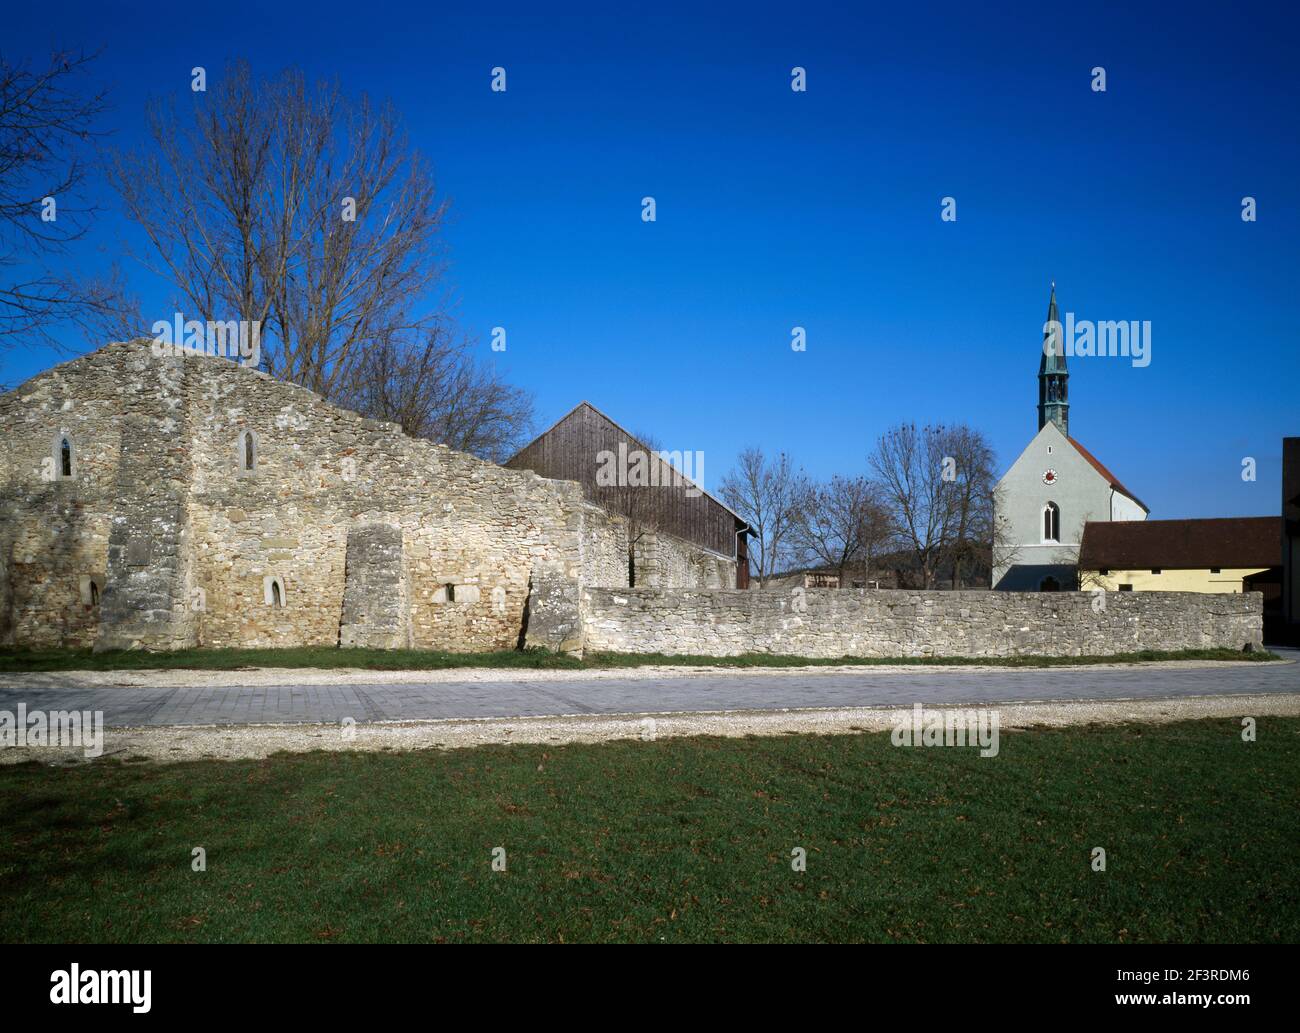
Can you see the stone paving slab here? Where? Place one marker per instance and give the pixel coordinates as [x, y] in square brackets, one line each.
[716, 691]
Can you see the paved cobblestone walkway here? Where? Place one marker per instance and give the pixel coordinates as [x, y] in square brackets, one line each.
[736, 690]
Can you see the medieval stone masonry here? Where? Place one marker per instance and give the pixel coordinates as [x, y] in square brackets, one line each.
[164, 502]
[830, 623]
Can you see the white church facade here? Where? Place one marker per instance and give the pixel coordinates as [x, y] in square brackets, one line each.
[1052, 489]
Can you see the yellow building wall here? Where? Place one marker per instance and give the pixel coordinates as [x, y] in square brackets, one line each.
[1227, 580]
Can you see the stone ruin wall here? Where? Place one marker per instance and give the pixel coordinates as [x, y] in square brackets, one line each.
[365, 536]
[830, 623]
[184, 545]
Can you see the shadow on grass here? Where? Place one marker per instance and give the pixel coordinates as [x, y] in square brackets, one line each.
[674, 840]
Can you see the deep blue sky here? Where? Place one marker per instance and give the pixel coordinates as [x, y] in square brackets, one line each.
[821, 209]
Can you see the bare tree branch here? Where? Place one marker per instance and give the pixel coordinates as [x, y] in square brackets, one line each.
[438, 389]
[297, 208]
[938, 483]
[44, 122]
[767, 494]
[841, 525]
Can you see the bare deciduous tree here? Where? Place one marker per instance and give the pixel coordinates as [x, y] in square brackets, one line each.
[45, 119]
[938, 483]
[908, 463]
[767, 494]
[295, 207]
[840, 525]
[974, 478]
[437, 388]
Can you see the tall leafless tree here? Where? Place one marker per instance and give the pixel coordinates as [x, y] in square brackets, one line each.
[293, 206]
[907, 463]
[938, 483]
[974, 478]
[46, 120]
[767, 494]
[840, 525]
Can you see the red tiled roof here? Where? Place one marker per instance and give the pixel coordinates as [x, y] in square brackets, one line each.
[1222, 542]
[1111, 479]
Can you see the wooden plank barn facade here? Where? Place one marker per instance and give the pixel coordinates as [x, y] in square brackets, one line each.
[679, 536]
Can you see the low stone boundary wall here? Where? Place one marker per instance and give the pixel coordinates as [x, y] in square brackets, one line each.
[834, 622]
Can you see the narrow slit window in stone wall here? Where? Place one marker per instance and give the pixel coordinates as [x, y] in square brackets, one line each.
[92, 588]
[273, 593]
[247, 452]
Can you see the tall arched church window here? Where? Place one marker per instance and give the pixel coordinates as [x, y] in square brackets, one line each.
[1051, 522]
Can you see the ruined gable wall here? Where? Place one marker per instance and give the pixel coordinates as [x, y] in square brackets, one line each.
[321, 471]
[184, 542]
[54, 532]
[196, 539]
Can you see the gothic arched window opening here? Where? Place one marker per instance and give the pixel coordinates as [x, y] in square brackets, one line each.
[246, 453]
[1051, 522]
[273, 591]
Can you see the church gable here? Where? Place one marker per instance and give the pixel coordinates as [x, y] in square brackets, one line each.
[1053, 488]
[1051, 458]
[1052, 471]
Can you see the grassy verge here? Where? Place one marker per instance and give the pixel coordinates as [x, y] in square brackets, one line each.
[676, 840]
[15, 661]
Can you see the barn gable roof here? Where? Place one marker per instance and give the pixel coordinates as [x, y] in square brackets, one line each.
[632, 440]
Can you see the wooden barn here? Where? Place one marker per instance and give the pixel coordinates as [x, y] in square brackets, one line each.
[625, 476]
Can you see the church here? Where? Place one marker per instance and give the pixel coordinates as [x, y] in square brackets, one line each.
[1053, 488]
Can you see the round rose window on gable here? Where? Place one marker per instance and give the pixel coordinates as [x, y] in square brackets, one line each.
[1049, 476]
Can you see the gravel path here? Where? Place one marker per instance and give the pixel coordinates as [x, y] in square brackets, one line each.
[170, 745]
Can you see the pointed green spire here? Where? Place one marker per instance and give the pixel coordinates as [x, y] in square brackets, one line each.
[1053, 360]
[1053, 377]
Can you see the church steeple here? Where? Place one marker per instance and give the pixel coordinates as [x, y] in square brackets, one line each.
[1053, 377]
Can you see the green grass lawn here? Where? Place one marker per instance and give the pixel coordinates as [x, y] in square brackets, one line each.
[675, 840]
[14, 661]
